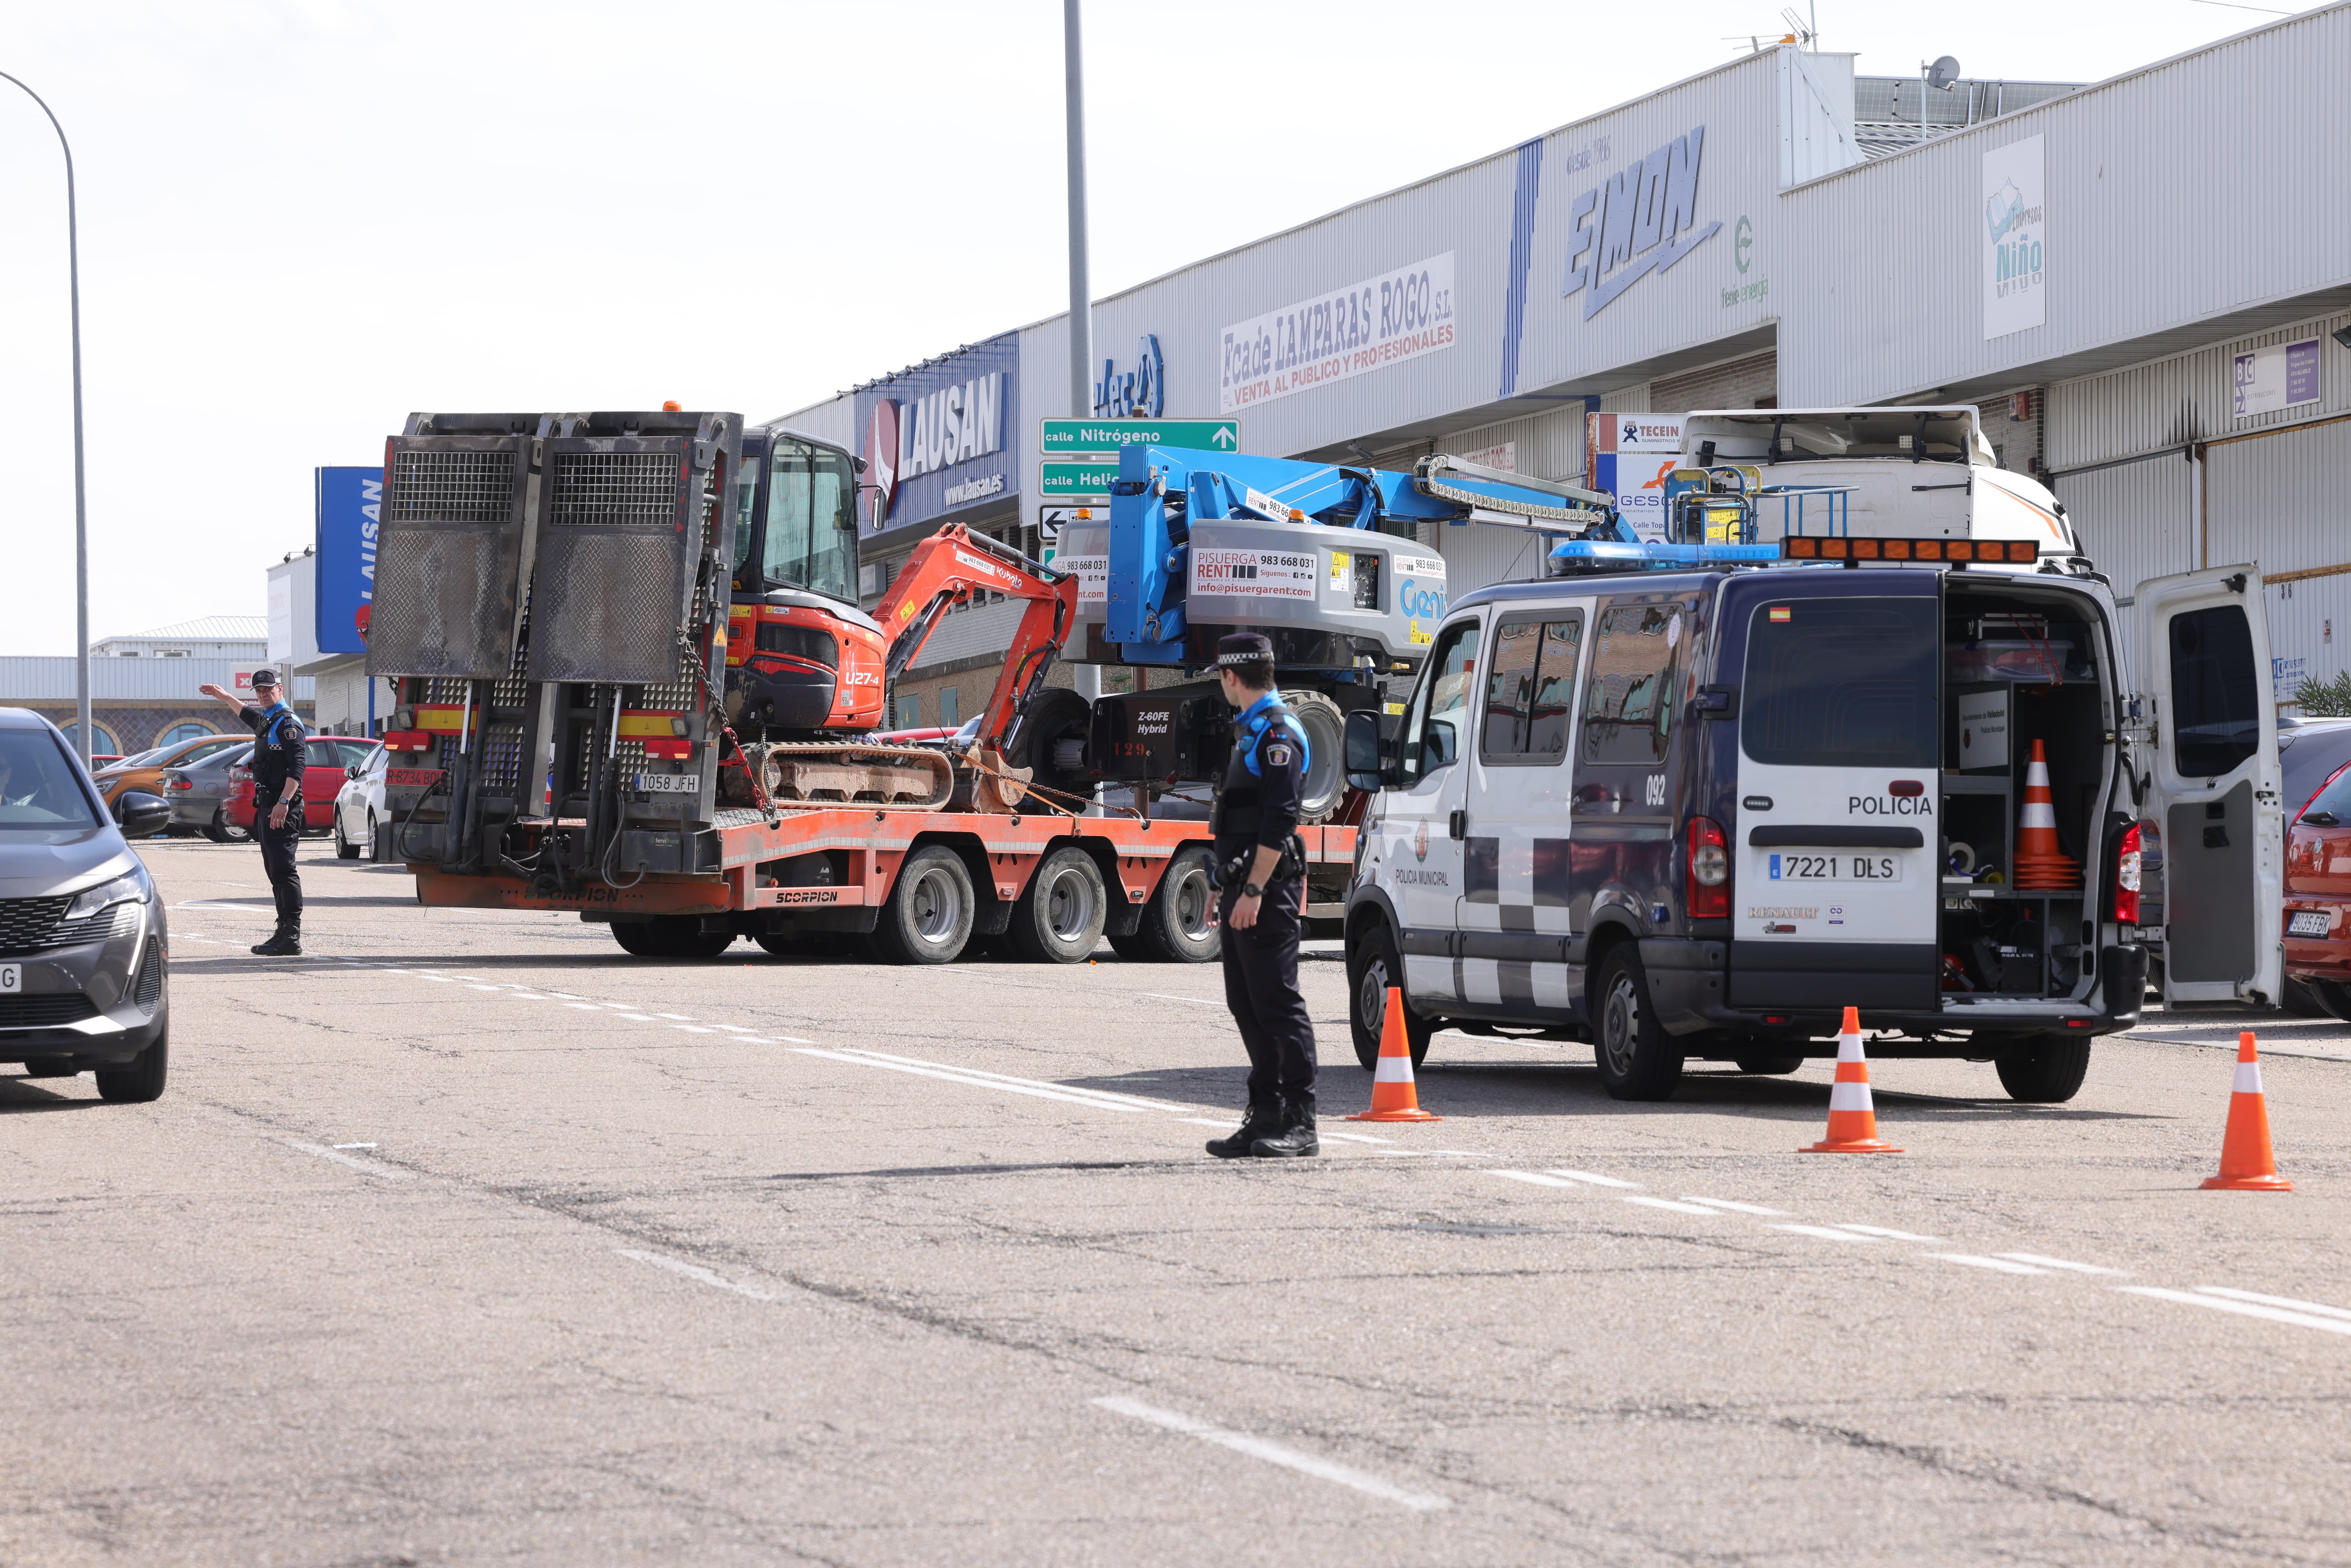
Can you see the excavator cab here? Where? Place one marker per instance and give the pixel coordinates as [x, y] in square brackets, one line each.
[802, 659]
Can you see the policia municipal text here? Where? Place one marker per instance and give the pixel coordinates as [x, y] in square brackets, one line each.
[277, 759]
[1261, 875]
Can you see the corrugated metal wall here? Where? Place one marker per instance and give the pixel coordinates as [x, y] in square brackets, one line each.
[1751, 382]
[2279, 500]
[2185, 397]
[1477, 554]
[2304, 618]
[2176, 193]
[2137, 522]
[1549, 445]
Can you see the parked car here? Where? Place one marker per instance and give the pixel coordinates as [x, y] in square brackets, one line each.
[198, 792]
[2318, 895]
[84, 978]
[359, 805]
[331, 759]
[144, 770]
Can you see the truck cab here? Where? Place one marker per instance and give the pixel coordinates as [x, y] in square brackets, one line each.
[1698, 813]
[801, 657]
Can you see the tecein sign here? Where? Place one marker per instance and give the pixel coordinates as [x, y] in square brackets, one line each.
[938, 438]
[1141, 392]
[1630, 454]
[1641, 220]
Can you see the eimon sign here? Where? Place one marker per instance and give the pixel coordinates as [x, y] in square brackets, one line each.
[935, 437]
[1643, 219]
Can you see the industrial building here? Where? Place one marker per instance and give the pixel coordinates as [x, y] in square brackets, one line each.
[2144, 283]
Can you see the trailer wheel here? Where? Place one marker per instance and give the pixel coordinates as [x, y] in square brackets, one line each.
[1178, 924]
[928, 917]
[670, 937]
[1325, 784]
[1059, 916]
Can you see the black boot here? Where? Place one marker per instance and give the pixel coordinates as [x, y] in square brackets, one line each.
[1261, 1120]
[1296, 1135]
[286, 943]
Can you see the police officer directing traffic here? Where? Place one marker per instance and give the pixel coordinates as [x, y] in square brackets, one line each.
[277, 760]
[1262, 872]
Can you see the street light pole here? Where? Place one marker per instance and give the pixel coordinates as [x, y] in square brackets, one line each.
[81, 509]
[1081, 302]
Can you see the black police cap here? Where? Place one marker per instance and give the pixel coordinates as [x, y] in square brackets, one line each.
[1244, 648]
[265, 678]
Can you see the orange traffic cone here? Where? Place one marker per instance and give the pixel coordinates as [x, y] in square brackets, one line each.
[1394, 1097]
[2041, 866]
[1853, 1119]
[2246, 1163]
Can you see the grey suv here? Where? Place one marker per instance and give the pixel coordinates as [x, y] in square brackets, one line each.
[83, 978]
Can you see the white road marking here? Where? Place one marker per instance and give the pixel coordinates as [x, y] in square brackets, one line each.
[682, 1018]
[471, 986]
[693, 1028]
[928, 1070]
[988, 1079]
[1594, 1180]
[585, 1007]
[1879, 1230]
[1276, 1453]
[1668, 1204]
[734, 1029]
[1163, 996]
[2249, 1308]
[1735, 1207]
[2036, 1258]
[1354, 1137]
[1824, 1233]
[1998, 1265]
[694, 1271]
[1531, 1176]
[371, 1167]
[2286, 1301]
[1204, 1122]
[356, 1145]
[567, 996]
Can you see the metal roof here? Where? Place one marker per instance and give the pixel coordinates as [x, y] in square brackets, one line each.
[204, 629]
[47, 678]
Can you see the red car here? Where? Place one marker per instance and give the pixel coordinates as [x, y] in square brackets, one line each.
[2318, 895]
[323, 773]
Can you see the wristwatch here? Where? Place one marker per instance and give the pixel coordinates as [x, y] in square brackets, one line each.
[1251, 890]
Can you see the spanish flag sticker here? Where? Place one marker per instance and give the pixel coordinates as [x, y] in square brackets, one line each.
[1779, 613]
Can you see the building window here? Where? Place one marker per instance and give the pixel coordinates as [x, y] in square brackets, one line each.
[910, 712]
[102, 741]
[950, 708]
[180, 732]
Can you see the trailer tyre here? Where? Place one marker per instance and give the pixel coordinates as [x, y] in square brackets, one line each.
[1372, 969]
[2044, 1070]
[1059, 916]
[1325, 784]
[670, 937]
[1636, 1058]
[928, 917]
[1178, 922]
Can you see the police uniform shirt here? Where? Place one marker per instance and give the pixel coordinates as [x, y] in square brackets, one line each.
[1259, 800]
[277, 755]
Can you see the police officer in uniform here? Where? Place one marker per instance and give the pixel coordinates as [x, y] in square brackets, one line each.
[277, 760]
[1261, 875]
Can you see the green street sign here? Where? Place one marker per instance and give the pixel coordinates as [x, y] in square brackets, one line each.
[1075, 481]
[1070, 437]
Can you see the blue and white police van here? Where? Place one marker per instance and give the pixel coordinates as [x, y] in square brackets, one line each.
[1693, 798]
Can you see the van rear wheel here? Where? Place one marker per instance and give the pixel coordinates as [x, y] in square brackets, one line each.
[1636, 1058]
[2044, 1069]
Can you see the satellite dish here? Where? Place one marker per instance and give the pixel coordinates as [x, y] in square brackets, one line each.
[1943, 73]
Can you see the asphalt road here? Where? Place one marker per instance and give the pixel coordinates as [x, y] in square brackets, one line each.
[469, 1240]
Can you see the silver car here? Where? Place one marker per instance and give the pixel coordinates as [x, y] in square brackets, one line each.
[359, 805]
[84, 978]
[198, 794]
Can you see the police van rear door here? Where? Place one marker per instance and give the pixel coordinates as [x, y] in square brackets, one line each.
[1836, 847]
[2211, 768]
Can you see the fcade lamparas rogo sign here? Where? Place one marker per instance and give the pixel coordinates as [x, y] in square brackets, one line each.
[1641, 220]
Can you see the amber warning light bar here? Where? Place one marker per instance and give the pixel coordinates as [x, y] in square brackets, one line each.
[1957, 552]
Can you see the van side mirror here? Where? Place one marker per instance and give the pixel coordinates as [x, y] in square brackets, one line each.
[142, 815]
[353, 771]
[1372, 759]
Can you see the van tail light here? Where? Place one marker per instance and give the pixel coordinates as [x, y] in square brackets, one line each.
[1708, 871]
[2126, 877]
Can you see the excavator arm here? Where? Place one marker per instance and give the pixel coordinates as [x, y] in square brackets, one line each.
[946, 570]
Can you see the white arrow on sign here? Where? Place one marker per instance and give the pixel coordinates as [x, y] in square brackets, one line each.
[1223, 438]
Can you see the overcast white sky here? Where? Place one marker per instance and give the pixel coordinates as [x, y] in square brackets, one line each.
[302, 219]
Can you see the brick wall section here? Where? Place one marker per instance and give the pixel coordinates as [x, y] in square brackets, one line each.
[137, 726]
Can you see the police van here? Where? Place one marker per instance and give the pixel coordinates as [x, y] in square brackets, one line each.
[1693, 798]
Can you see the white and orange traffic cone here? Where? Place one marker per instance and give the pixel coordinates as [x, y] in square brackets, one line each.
[1852, 1117]
[2041, 865]
[1394, 1097]
[2246, 1163]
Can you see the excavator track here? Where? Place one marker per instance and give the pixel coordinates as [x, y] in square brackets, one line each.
[834, 773]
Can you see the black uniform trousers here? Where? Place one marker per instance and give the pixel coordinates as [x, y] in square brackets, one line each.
[277, 848]
[1261, 990]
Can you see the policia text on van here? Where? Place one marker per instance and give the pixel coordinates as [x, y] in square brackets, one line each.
[1698, 813]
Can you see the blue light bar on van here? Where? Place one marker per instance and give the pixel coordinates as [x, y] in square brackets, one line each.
[1596, 554]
